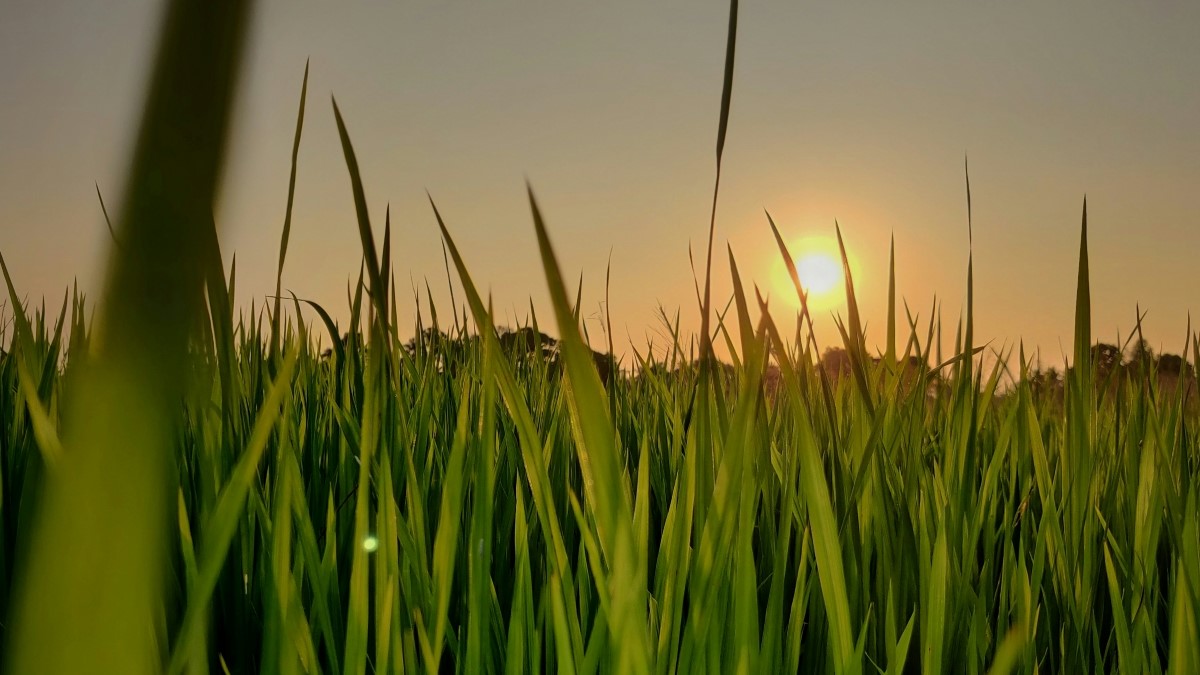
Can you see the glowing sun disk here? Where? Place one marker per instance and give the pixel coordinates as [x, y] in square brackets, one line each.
[819, 273]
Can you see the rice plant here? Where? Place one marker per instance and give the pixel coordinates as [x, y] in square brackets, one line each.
[187, 487]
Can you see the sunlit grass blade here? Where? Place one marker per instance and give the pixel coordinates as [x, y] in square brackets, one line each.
[600, 462]
[852, 334]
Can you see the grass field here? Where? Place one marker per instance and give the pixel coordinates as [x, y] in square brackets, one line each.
[188, 487]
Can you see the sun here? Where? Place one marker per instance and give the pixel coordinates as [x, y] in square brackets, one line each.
[819, 273]
[819, 266]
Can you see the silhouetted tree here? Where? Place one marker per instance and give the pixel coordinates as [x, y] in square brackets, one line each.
[1169, 364]
[342, 341]
[427, 337]
[1105, 359]
[525, 340]
[835, 362]
[1140, 354]
[1046, 382]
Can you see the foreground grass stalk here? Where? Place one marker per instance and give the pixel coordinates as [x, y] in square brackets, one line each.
[93, 573]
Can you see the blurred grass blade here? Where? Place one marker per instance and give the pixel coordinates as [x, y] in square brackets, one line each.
[108, 505]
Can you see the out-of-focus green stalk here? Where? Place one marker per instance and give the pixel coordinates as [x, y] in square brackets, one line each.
[91, 586]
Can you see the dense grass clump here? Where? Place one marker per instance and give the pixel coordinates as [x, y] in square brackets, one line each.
[189, 488]
[483, 502]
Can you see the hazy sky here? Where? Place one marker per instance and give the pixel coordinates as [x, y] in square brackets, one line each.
[856, 111]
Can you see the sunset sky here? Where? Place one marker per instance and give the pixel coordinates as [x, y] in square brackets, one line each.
[860, 112]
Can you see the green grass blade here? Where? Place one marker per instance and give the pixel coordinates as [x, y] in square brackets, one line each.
[378, 289]
[933, 632]
[722, 130]
[600, 462]
[287, 217]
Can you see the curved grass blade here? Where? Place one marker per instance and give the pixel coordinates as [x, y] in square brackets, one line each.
[338, 347]
[107, 221]
[378, 290]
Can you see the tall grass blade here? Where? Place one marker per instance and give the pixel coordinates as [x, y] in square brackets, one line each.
[287, 216]
[722, 129]
[603, 478]
[378, 290]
